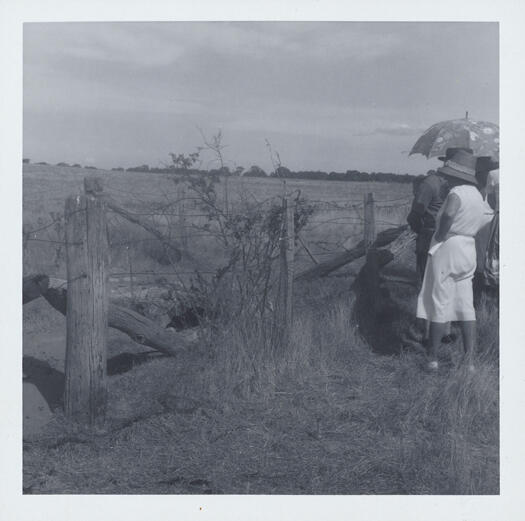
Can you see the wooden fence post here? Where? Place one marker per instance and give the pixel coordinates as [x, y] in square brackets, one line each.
[287, 269]
[370, 221]
[85, 393]
[182, 218]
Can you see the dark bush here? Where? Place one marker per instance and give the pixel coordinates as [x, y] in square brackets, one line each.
[255, 171]
[141, 168]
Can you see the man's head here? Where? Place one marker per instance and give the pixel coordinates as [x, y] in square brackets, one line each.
[451, 151]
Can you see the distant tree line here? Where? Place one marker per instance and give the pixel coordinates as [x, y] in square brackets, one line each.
[257, 171]
[280, 172]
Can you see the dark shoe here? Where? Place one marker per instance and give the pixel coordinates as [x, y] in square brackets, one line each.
[449, 339]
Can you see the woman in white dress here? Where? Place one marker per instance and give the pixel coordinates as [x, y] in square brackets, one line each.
[446, 292]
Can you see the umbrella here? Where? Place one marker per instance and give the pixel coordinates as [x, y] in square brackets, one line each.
[481, 136]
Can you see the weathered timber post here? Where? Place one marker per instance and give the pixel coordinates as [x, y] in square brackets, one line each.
[93, 185]
[370, 220]
[85, 393]
[287, 269]
[130, 264]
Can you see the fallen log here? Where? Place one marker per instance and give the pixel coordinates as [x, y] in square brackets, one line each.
[139, 328]
[406, 239]
[399, 238]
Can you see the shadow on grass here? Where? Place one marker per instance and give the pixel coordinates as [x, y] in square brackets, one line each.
[50, 381]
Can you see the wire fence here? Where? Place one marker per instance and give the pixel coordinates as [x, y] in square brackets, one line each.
[238, 257]
[334, 226]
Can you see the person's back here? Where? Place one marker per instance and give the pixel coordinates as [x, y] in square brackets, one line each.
[429, 196]
[428, 199]
[473, 212]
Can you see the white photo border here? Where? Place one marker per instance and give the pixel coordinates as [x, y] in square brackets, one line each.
[508, 506]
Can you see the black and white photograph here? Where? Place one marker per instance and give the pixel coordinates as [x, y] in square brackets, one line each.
[261, 258]
[237, 277]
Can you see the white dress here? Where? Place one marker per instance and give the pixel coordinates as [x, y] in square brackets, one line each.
[446, 292]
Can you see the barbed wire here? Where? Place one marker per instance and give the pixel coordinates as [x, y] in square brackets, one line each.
[158, 273]
[166, 239]
[130, 192]
[44, 227]
[319, 253]
[389, 223]
[35, 239]
[352, 207]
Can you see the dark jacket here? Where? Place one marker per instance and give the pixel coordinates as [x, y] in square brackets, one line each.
[428, 199]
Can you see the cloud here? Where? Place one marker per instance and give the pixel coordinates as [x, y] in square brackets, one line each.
[312, 87]
[401, 129]
[151, 44]
[134, 44]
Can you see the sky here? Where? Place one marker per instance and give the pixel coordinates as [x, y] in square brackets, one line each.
[330, 96]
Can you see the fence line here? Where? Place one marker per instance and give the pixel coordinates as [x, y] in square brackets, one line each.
[189, 231]
[86, 225]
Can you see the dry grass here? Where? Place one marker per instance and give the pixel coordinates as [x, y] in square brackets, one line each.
[326, 417]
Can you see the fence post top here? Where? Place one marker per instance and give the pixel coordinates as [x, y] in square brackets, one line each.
[93, 185]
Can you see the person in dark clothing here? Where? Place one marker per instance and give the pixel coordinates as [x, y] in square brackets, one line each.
[429, 194]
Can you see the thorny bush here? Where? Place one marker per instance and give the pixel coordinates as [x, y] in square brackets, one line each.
[250, 233]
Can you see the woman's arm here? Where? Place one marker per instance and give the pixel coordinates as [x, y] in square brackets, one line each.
[451, 206]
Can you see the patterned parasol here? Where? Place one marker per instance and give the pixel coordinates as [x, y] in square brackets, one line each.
[481, 136]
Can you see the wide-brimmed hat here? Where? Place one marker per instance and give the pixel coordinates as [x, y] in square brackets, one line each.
[449, 152]
[461, 165]
[486, 164]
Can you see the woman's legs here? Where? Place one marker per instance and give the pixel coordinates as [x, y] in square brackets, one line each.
[437, 330]
[424, 325]
[468, 332]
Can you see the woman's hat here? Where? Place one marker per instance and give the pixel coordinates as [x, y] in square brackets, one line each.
[449, 152]
[461, 164]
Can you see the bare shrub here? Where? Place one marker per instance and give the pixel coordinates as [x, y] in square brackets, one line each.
[249, 233]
